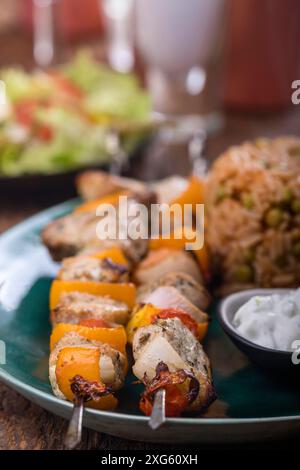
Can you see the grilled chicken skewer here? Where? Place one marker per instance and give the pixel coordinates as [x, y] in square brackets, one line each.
[168, 355]
[90, 316]
[165, 335]
[69, 236]
[86, 372]
[102, 365]
[88, 344]
[177, 379]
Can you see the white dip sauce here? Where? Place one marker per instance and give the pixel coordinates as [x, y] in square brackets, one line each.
[271, 321]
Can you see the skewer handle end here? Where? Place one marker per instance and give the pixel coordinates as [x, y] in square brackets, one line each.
[158, 416]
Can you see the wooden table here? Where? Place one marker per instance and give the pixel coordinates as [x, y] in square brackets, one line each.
[26, 426]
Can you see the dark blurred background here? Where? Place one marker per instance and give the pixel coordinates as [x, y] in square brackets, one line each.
[226, 58]
[249, 55]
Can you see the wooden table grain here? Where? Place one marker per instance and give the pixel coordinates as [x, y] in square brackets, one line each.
[24, 425]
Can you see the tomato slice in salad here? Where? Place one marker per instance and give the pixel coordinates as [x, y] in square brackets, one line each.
[24, 112]
[66, 85]
[25, 115]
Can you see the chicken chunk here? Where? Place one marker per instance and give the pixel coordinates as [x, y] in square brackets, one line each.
[171, 342]
[97, 184]
[87, 268]
[165, 261]
[77, 233]
[68, 235]
[77, 306]
[185, 285]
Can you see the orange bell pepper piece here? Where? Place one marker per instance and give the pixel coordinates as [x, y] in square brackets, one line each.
[177, 240]
[123, 292]
[193, 194]
[114, 253]
[85, 362]
[94, 323]
[91, 206]
[202, 256]
[202, 330]
[115, 337]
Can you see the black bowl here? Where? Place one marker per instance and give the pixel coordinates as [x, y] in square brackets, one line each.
[272, 359]
[62, 183]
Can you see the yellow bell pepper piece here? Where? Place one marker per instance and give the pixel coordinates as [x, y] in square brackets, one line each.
[141, 318]
[202, 330]
[84, 362]
[193, 194]
[123, 292]
[114, 253]
[115, 337]
[91, 206]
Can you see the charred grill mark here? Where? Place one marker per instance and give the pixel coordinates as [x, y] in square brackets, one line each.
[85, 390]
[167, 380]
[109, 264]
[144, 338]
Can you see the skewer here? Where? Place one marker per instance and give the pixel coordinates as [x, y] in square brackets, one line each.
[113, 141]
[74, 432]
[158, 415]
[119, 158]
[195, 149]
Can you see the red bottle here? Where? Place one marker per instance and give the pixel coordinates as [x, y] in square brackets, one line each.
[262, 54]
[77, 18]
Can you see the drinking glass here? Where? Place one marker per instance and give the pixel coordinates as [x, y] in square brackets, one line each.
[179, 42]
[43, 32]
[119, 29]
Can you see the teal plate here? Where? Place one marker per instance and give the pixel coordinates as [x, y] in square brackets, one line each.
[251, 405]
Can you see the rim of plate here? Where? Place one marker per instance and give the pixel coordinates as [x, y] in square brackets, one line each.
[41, 218]
[9, 379]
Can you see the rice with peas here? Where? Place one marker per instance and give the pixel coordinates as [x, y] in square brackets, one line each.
[253, 214]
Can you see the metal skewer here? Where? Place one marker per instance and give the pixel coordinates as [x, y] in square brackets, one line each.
[119, 158]
[74, 432]
[196, 148]
[158, 415]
